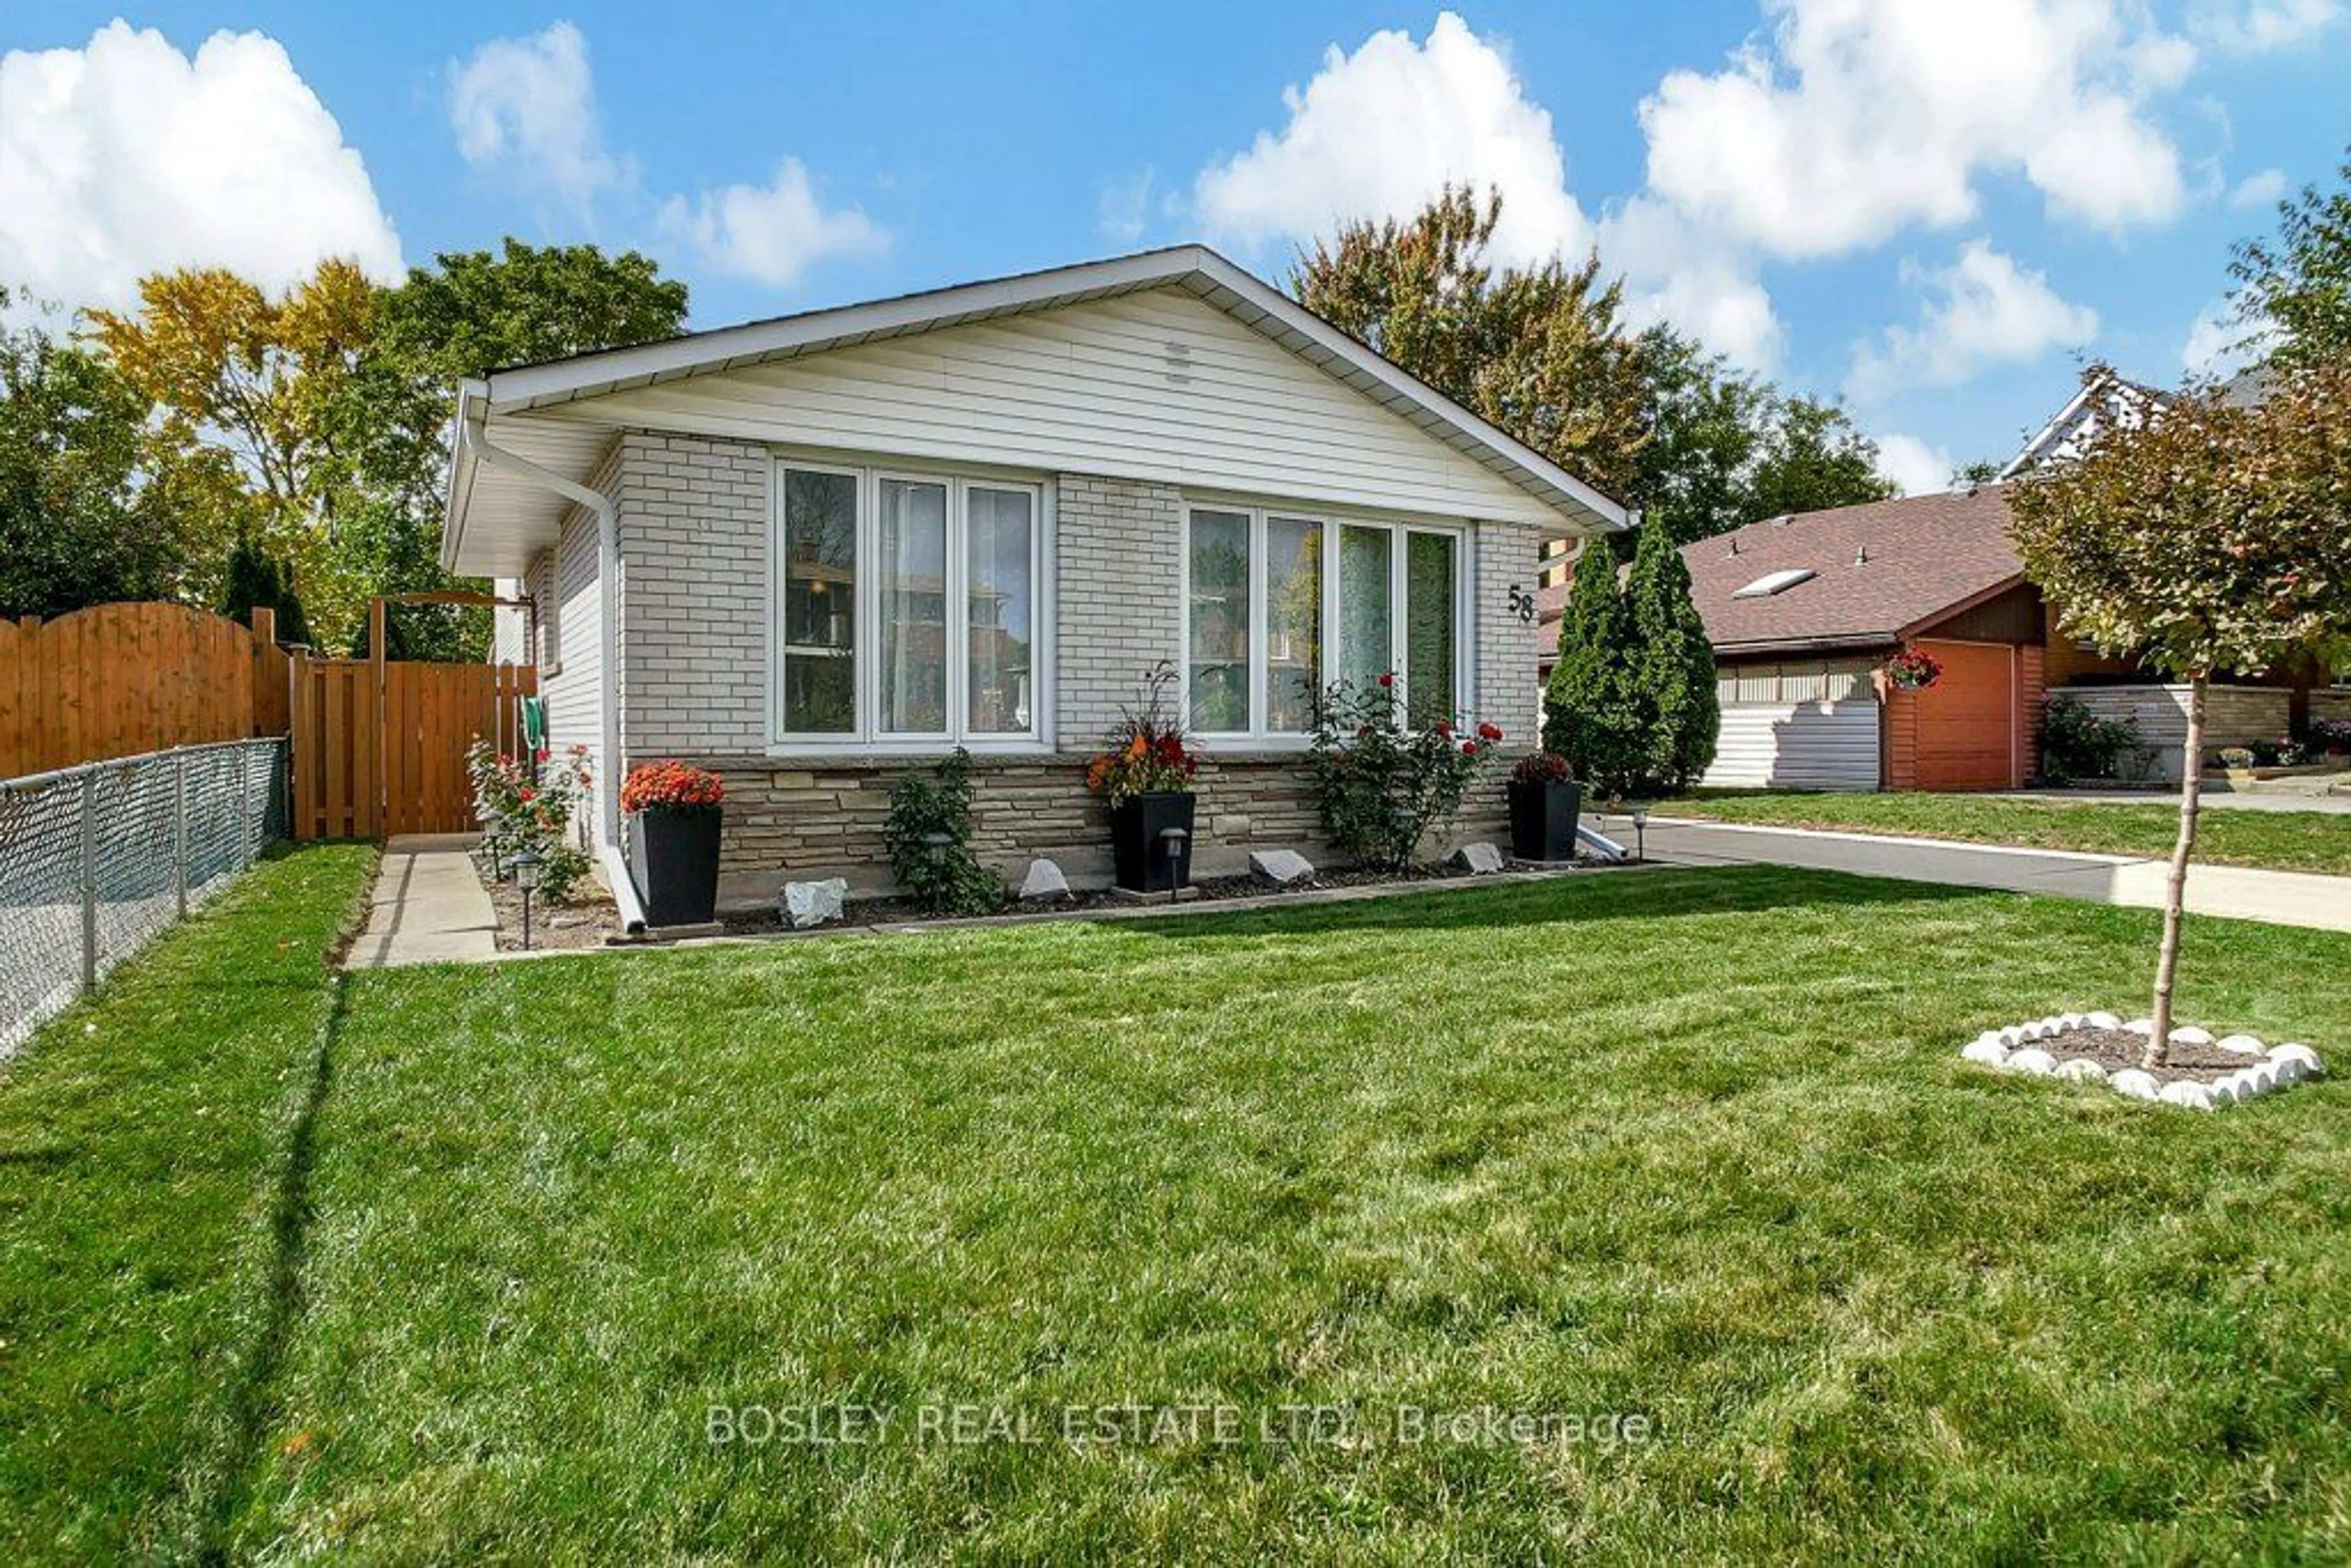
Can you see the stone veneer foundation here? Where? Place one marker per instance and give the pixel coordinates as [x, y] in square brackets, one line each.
[799, 822]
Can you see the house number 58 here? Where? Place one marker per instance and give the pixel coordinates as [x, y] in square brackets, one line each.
[1522, 604]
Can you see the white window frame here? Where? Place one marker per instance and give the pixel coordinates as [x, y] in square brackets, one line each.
[865, 639]
[1259, 512]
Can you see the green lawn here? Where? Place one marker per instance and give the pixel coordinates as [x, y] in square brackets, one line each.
[2281, 841]
[1690, 1145]
[148, 1149]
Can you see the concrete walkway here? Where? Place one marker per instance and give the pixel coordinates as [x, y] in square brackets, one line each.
[428, 906]
[2278, 897]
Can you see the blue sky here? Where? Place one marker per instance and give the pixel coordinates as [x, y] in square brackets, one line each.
[1931, 209]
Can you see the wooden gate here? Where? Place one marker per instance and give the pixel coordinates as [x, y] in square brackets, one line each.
[379, 745]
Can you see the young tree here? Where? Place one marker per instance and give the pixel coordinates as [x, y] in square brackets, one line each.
[2211, 538]
[1670, 663]
[76, 526]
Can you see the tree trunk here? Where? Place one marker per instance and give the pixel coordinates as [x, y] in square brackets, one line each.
[2167, 964]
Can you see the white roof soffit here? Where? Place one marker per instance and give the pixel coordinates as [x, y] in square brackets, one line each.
[510, 393]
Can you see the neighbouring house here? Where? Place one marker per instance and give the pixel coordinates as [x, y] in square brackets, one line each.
[1806, 610]
[812, 552]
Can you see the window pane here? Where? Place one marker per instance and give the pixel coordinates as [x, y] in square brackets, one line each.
[1293, 622]
[910, 541]
[1366, 642]
[1220, 622]
[997, 531]
[1428, 628]
[819, 602]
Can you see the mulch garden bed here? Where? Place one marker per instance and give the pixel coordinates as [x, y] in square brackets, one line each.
[588, 920]
[2118, 1048]
[867, 911]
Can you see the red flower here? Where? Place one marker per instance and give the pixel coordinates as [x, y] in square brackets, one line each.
[528, 794]
[1445, 728]
[1468, 748]
[1386, 680]
[1489, 732]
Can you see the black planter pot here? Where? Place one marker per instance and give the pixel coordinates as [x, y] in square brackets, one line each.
[673, 856]
[1542, 820]
[1141, 861]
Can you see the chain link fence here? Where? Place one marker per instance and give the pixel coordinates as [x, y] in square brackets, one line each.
[95, 861]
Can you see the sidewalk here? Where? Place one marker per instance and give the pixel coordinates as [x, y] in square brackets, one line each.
[428, 906]
[2278, 897]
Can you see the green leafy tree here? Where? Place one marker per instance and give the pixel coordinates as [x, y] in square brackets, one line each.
[1695, 471]
[2215, 537]
[2293, 291]
[1539, 352]
[469, 313]
[318, 420]
[1669, 662]
[1810, 458]
[76, 526]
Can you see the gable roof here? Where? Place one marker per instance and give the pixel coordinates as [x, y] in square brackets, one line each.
[498, 406]
[1928, 556]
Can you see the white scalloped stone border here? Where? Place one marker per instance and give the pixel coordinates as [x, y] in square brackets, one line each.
[2017, 1048]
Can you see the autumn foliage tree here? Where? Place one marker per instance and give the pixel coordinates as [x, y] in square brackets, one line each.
[2208, 537]
[315, 422]
[1539, 352]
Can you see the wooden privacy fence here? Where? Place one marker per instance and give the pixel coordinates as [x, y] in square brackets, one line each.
[119, 680]
[378, 746]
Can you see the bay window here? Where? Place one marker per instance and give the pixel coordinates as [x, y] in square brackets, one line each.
[1261, 587]
[908, 609]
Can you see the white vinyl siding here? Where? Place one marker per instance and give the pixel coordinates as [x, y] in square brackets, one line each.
[1799, 724]
[571, 685]
[1158, 386]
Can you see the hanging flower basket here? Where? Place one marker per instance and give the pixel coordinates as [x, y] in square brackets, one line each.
[1913, 670]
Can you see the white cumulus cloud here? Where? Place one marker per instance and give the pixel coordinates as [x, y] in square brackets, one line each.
[1983, 309]
[2221, 343]
[2261, 26]
[1677, 276]
[126, 157]
[530, 105]
[771, 233]
[1378, 132]
[1855, 119]
[1912, 466]
[2258, 190]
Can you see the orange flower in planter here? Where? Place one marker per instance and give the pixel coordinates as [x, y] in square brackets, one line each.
[670, 784]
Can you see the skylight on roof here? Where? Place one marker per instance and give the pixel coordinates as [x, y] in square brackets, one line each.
[1776, 582]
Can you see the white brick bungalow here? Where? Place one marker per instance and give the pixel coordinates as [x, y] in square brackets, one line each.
[813, 551]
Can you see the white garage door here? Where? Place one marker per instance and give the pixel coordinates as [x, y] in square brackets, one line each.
[1807, 726]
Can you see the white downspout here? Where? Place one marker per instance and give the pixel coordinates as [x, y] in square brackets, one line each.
[473, 443]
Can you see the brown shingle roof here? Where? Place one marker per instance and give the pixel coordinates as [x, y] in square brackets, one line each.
[1927, 556]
